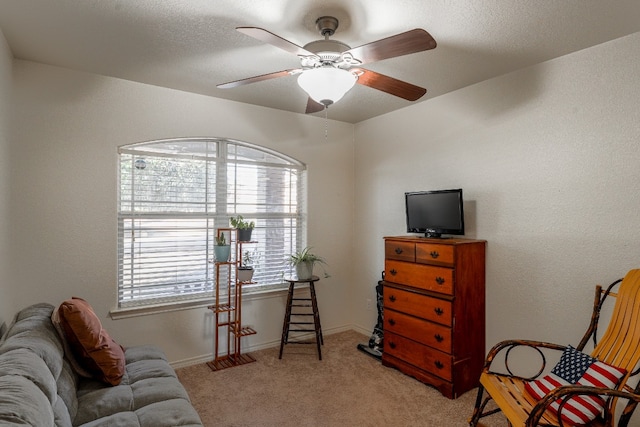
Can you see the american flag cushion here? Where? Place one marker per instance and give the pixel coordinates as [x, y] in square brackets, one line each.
[581, 409]
[541, 387]
[572, 365]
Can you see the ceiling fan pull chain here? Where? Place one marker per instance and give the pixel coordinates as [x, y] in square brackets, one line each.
[326, 124]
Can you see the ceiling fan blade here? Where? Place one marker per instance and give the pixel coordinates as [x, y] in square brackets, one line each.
[260, 78]
[272, 39]
[401, 44]
[390, 85]
[313, 106]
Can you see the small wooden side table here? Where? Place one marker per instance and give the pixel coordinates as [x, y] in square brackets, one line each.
[302, 326]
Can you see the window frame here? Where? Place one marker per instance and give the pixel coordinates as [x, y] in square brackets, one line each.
[226, 155]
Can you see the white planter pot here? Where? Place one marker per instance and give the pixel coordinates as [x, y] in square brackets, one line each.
[245, 275]
[304, 270]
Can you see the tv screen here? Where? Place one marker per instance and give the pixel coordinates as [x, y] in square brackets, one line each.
[435, 213]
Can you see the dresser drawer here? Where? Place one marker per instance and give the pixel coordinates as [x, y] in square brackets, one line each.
[427, 277]
[404, 251]
[423, 306]
[429, 253]
[420, 330]
[419, 355]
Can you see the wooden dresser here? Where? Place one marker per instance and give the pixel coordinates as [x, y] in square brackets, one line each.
[434, 310]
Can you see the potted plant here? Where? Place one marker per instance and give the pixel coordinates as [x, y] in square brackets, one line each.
[303, 261]
[222, 249]
[244, 228]
[246, 268]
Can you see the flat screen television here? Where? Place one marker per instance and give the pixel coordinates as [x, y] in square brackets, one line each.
[435, 213]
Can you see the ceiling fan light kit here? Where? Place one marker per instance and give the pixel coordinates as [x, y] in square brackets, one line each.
[326, 85]
[330, 68]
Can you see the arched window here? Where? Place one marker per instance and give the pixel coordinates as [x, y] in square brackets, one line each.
[174, 194]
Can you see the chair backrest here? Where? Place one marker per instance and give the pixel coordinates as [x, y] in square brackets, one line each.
[620, 344]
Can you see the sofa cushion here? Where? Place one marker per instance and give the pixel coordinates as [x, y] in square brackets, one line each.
[149, 393]
[36, 333]
[27, 364]
[67, 384]
[97, 401]
[172, 413]
[169, 413]
[90, 343]
[32, 349]
[23, 403]
[124, 419]
[62, 418]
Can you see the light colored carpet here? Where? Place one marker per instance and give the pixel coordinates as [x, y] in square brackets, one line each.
[346, 388]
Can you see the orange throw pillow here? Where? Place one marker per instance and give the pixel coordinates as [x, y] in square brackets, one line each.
[92, 346]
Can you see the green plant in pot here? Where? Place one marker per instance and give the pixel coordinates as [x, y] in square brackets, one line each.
[304, 260]
[222, 249]
[244, 228]
[246, 268]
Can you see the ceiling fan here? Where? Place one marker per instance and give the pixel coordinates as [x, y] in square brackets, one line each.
[330, 68]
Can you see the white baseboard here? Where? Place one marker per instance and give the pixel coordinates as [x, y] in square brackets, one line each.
[183, 363]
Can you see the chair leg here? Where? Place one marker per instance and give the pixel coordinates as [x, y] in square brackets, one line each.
[477, 410]
[287, 321]
[316, 319]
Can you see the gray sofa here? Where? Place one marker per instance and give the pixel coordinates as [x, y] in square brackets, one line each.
[38, 386]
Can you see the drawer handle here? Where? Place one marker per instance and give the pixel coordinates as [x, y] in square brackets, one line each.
[439, 338]
[392, 344]
[392, 322]
[439, 311]
[392, 298]
[398, 251]
[434, 254]
[393, 272]
[439, 280]
[439, 364]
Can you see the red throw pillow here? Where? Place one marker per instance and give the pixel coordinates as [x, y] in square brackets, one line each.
[92, 346]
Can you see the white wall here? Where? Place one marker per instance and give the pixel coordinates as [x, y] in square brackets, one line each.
[6, 60]
[67, 128]
[548, 158]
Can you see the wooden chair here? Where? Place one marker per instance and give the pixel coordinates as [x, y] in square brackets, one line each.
[619, 346]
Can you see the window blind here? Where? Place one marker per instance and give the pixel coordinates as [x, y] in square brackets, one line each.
[174, 194]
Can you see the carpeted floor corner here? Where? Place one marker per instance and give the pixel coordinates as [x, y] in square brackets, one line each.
[346, 388]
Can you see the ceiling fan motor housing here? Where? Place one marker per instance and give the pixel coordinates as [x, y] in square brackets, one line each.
[327, 25]
[328, 51]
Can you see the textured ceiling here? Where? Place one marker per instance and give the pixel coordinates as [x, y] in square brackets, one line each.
[193, 45]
